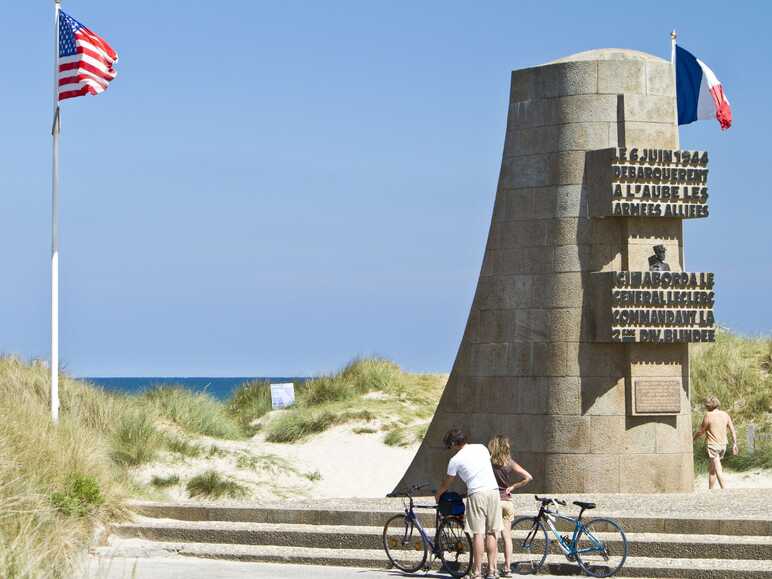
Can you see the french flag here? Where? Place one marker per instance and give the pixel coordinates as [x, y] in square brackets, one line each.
[699, 93]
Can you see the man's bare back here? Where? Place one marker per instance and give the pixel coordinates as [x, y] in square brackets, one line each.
[716, 423]
[714, 427]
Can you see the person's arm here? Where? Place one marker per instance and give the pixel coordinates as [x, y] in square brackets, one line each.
[703, 428]
[525, 477]
[735, 450]
[443, 487]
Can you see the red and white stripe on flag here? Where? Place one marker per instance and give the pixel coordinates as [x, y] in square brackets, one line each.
[85, 60]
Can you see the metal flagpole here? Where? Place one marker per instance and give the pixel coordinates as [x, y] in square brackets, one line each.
[55, 229]
[673, 37]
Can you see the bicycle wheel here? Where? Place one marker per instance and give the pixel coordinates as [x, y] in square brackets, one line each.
[601, 548]
[529, 545]
[455, 546]
[404, 544]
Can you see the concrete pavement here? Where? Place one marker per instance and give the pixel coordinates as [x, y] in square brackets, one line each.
[181, 568]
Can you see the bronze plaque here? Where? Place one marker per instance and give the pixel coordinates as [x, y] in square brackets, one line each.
[657, 396]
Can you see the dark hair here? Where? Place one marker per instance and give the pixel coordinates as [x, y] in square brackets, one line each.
[454, 437]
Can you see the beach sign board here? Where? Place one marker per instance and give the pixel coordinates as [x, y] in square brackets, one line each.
[282, 395]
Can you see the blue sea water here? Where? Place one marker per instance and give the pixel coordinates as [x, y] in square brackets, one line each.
[220, 388]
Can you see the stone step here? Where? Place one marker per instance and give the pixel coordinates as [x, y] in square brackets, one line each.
[377, 517]
[360, 537]
[372, 558]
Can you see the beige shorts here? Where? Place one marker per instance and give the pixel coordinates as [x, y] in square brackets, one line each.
[507, 512]
[716, 450]
[483, 513]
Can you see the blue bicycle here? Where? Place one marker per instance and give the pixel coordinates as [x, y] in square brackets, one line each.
[408, 544]
[598, 546]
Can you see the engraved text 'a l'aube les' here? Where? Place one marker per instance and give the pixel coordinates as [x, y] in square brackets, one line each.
[659, 183]
[643, 182]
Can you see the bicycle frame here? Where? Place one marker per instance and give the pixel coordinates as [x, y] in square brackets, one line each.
[411, 516]
[568, 547]
[549, 517]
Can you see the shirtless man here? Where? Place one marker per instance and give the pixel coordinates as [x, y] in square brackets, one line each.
[714, 427]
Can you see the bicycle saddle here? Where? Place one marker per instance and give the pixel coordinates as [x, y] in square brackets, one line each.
[584, 505]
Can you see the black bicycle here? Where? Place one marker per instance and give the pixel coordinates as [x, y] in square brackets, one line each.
[598, 546]
[408, 544]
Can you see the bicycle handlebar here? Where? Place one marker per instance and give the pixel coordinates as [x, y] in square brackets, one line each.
[548, 500]
[410, 490]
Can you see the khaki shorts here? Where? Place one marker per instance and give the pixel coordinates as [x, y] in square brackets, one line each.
[507, 512]
[483, 513]
[716, 450]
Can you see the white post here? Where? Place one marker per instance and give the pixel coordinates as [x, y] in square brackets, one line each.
[55, 229]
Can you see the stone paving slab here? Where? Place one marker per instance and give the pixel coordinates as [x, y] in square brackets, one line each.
[361, 537]
[719, 504]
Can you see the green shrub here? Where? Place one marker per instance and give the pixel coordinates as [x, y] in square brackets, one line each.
[135, 440]
[163, 482]
[212, 485]
[194, 412]
[80, 496]
[249, 402]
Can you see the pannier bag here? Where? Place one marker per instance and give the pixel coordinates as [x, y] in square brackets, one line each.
[451, 504]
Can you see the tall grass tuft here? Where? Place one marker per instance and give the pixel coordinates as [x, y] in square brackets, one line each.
[360, 376]
[194, 412]
[249, 402]
[135, 439]
[299, 423]
[212, 485]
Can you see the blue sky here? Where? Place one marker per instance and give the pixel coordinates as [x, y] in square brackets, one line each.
[271, 188]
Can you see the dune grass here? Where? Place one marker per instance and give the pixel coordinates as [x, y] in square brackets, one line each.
[163, 482]
[736, 369]
[248, 403]
[212, 485]
[57, 483]
[194, 412]
[342, 397]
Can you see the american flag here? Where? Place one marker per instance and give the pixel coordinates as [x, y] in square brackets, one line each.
[85, 60]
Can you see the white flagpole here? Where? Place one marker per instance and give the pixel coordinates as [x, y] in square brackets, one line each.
[55, 229]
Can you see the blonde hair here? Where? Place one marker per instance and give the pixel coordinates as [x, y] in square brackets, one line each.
[711, 403]
[500, 449]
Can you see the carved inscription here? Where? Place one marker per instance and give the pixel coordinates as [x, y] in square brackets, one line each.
[659, 183]
[640, 182]
[661, 396]
[662, 307]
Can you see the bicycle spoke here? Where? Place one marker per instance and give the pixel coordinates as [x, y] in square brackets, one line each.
[454, 546]
[601, 547]
[529, 545]
[404, 544]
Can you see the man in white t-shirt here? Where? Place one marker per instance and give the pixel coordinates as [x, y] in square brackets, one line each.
[472, 463]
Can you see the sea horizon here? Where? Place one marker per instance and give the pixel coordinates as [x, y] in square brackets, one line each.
[221, 387]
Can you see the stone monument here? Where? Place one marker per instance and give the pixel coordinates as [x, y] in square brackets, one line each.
[576, 346]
